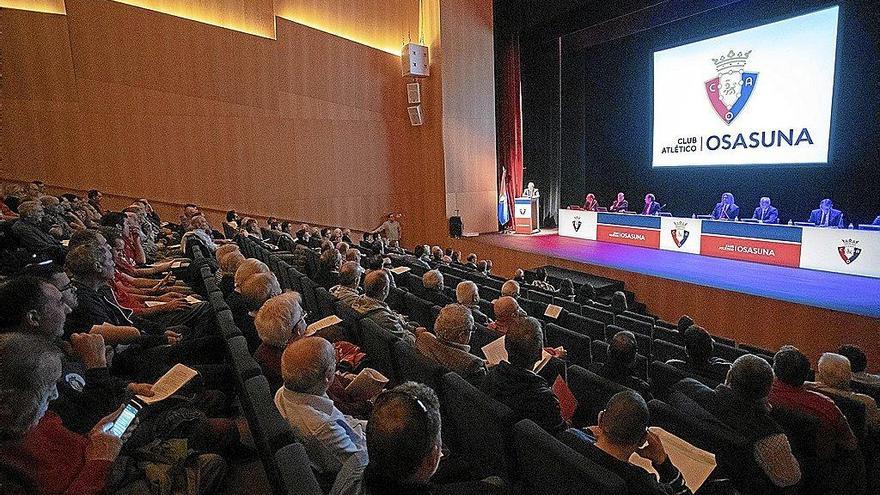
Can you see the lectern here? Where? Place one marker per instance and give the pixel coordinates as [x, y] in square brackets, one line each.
[526, 215]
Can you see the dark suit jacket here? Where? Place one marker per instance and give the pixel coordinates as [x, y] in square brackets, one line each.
[33, 239]
[652, 210]
[732, 212]
[771, 216]
[835, 218]
[615, 206]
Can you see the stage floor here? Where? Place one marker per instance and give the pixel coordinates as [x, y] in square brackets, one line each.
[849, 293]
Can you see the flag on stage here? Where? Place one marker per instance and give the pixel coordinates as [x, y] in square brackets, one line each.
[503, 206]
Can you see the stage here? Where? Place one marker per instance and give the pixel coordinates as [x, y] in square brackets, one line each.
[839, 292]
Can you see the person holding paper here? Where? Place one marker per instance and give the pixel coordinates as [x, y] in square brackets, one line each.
[449, 348]
[514, 384]
[622, 431]
[308, 367]
[373, 307]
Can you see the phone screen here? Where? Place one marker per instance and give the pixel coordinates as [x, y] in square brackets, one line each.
[124, 420]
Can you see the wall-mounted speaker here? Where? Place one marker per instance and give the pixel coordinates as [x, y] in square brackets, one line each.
[415, 115]
[414, 60]
[413, 93]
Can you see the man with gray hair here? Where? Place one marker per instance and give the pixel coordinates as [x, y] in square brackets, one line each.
[467, 294]
[514, 384]
[30, 235]
[308, 367]
[349, 280]
[510, 288]
[432, 280]
[373, 307]
[449, 347]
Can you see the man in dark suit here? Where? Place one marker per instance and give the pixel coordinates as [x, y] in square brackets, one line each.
[619, 204]
[826, 215]
[766, 213]
[651, 206]
[726, 209]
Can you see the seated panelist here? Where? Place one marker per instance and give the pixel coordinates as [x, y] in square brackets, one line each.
[726, 209]
[652, 207]
[590, 203]
[826, 215]
[619, 204]
[766, 213]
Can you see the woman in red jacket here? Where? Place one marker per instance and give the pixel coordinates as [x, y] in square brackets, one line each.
[33, 442]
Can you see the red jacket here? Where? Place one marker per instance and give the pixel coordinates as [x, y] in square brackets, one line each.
[53, 458]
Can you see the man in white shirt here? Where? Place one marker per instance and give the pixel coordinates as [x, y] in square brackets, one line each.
[330, 437]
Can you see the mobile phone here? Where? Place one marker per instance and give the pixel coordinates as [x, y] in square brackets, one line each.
[123, 421]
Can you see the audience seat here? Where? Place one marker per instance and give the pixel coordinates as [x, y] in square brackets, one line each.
[637, 326]
[569, 306]
[411, 365]
[326, 303]
[577, 345]
[664, 376]
[377, 343]
[310, 302]
[592, 393]
[295, 474]
[666, 334]
[419, 310]
[664, 351]
[480, 427]
[243, 364]
[270, 431]
[583, 325]
[727, 352]
[644, 341]
[594, 313]
[226, 324]
[396, 299]
[549, 467]
[480, 337]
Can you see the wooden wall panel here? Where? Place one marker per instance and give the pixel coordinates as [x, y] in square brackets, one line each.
[118, 43]
[37, 63]
[248, 16]
[382, 24]
[467, 56]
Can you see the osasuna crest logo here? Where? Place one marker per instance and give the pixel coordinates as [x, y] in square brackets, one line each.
[849, 252]
[576, 223]
[730, 91]
[679, 234]
[522, 211]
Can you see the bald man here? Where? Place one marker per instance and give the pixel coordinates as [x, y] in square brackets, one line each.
[506, 311]
[308, 366]
[372, 306]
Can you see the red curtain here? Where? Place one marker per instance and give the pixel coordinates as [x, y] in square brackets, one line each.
[510, 130]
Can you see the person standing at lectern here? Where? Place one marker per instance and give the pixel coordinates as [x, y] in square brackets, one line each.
[531, 191]
[651, 206]
[726, 209]
[590, 203]
[619, 204]
[766, 213]
[826, 215]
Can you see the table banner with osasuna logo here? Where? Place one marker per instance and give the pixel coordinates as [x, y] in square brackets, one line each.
[576, 223]
[681, 234]
[841, 250]
[768, 244]
[634, 230]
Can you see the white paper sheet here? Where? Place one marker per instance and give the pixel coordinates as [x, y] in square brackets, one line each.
[170, 383]
[695, 464]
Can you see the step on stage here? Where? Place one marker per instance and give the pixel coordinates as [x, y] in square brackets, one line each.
[839, 292]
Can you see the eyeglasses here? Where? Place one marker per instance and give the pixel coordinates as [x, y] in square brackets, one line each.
[302, 319]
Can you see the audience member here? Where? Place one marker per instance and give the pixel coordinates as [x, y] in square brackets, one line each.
[699, 346]
[859, 364]
[566, 289]
[229, 263]
[514, 384]
[586, 294]
[833, 379]
[349, 281]
[328, 272]
[468, 294]
[404, 447]
[510, 288]
[618, 302]
[741, 404]
[618, 366]
[371, 305]
[471, 261]
[507, 311]
[791, 369]
[308, 367]
[622, 431]
[29, 232]
[279, 321]
[432, 281]
[449, 347]
[541, 282]
[684, 323]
